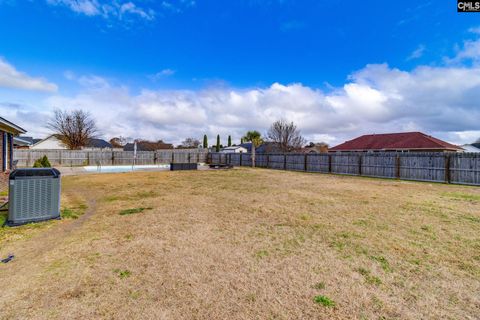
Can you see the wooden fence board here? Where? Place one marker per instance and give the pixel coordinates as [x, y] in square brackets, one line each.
[423, 166]
[346, 163]
[261, 160]
[317, 162]
[295, 162]
[459, 168]
[465, 168]
[69, 158]
[276, 161]
[381, 165]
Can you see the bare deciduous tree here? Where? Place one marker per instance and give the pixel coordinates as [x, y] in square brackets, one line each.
[190, 143]
[285, 135]
[74, 128]
[118, 142]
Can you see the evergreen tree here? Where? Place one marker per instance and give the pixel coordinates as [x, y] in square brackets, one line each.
[205, 141]
[229, 141]
[217, 148]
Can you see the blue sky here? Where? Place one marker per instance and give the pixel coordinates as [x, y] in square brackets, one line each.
[172, 69]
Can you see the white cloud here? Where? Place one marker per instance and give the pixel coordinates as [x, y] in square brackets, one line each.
[417, 53]
[162, 74]
[106, 9]
[86, 7]
[469, 52]
[131, 8]
[475, 30]
[442, 101]
[12, 78]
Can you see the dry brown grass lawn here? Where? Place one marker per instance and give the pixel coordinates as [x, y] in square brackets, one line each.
[248, 244]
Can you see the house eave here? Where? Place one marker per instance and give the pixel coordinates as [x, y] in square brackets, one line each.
[10, 125]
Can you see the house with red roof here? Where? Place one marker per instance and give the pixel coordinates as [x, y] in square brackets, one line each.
[396, 142]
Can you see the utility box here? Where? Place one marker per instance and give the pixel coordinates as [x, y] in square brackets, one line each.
[183, 166]
[34, 195]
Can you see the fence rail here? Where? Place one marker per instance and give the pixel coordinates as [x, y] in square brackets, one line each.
[70, 158]
[456, 168]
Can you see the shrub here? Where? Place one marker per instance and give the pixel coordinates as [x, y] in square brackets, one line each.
[43, 162]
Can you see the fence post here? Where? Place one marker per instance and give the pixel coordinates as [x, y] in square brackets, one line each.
[268, 160]
[198, 157]
[305, 162]
[173, 157]
[397, 166]
[330, 163]
[154, 157]
[359, 164]
[189, 157]
[88, 158]
[447, 168]
[60, 158]
[113, 158]
[284, 161]
[29, 156]
[252, 156]
[241, 157]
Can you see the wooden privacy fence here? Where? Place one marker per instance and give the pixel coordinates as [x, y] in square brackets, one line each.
[457, 168]
[68, 158]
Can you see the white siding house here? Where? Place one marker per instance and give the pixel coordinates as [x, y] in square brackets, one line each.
[49, 143]
[53, 143]
[234, 149]
[470, 148]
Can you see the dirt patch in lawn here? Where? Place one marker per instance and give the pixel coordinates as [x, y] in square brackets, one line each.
[248, 244]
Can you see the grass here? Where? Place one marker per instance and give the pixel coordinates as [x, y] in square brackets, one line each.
[324, 301]
[3, 217]
[247, 244]
[319, 285]
[132, 211]
[369, 278]
[122, 274]
[462, 196]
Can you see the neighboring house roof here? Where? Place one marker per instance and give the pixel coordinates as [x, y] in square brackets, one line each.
[247, 145]
[28, 139]
[98, 143]
[470, 148]
[148, 146]
[22, 141]
[395, 141]
[11, 126]
[269, 147]
[266, 147]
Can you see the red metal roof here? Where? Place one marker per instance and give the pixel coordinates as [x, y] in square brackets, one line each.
[395, 141]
